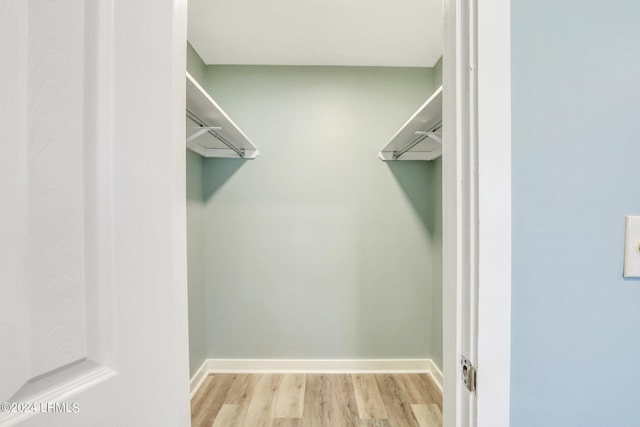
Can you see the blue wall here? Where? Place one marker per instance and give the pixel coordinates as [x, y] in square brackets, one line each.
[576, 174]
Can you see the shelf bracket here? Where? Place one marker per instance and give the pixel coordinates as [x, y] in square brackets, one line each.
[212, 130]
[201, 131]
[421, 137]
[437, 138]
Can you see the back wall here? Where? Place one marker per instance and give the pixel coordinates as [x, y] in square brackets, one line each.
[317, 249]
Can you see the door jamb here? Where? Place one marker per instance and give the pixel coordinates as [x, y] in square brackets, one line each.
[478, 240]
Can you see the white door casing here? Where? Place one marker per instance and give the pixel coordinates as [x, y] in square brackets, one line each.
[477, 210]
[92, 225]
[494, 212]
[459, 210]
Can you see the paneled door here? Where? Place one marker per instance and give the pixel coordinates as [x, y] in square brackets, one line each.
[93, 326]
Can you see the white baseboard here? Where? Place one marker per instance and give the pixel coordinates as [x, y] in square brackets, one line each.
[316, 366]
[436, 374]
[199, 377]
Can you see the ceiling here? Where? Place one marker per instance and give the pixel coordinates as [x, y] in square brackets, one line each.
[398, 33]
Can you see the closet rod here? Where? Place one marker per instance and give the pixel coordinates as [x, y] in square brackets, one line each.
[238, 151]
[422, 136]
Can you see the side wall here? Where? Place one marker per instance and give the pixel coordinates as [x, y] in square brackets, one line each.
[195, 65]
[435, 195]
[317, 249]
[437, 74]
[195, 252]
[195, 239]
[575, 176]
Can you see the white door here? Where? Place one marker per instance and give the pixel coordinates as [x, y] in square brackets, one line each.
[93, 324]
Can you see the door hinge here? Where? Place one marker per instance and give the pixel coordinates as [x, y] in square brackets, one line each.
[469, 375]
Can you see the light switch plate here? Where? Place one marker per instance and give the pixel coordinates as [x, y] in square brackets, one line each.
[632, 247]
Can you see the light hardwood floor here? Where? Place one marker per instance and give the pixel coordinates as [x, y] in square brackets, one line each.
[299, 400]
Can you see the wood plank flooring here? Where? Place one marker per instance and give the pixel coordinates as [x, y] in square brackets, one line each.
[303, 400]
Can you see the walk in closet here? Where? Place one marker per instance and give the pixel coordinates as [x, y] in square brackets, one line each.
[314, 201]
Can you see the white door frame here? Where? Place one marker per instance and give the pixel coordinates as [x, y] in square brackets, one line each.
[477, 254]
[477, 210]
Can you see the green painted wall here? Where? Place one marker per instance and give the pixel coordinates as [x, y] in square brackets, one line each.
[317, 249]
[195, 258]
[435, 180]
[195, 66]
[437, 74]
[435, 226]
[195, 238]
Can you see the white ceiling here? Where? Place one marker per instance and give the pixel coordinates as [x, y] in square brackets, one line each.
[398, 33]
